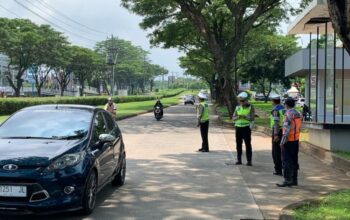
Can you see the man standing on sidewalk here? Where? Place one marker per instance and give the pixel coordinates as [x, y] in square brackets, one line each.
[290, 144]
[276, 123]
[203, 121]
[111, 107]
[244, 118]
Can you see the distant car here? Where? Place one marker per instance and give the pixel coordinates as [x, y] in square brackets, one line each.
[57, 157]
[189, 99]
[260, 97]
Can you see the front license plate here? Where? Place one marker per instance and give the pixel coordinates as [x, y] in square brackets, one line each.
[13, 191]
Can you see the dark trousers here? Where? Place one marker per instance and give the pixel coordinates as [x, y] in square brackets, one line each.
[290, 160]
[204, 127]
[276, 152]
[244, 133]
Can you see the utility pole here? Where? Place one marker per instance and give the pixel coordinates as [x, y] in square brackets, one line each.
[112, 53]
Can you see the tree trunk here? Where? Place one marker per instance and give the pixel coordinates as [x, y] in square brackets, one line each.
[226, 85]
[62, 90]
[339, 11]
[38, 91]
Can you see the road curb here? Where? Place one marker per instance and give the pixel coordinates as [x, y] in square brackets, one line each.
[326, 156]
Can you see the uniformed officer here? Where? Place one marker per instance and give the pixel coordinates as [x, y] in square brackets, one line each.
[276, 123]
[203, 121]
[244, 118]
[111, 107]
[290, 144]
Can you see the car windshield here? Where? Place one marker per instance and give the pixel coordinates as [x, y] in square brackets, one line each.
[55, 124]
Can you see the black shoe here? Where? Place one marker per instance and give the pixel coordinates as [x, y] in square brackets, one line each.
[277, 173]
[249, 164]
[238, 163]
[205, 150]
[284, 184]
[200, 149]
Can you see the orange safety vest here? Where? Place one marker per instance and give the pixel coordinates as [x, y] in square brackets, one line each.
[295, 125]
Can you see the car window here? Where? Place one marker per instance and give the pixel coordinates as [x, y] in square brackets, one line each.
[47, 123]
[100, 126]
[111, 125]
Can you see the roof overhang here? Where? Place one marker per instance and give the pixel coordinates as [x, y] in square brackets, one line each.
[315, 15]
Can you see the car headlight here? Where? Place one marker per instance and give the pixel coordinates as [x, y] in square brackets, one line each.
[66, 160]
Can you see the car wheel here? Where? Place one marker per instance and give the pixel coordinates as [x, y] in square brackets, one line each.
[89, 199]
[119, 179]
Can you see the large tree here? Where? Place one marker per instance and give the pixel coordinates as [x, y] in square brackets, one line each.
[339, 11]
[219, 25]
[51, 48]
[132, 68]
[83, 64]
[19, 40]
[263, 61]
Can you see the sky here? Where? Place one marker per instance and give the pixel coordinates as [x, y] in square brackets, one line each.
[85, 22]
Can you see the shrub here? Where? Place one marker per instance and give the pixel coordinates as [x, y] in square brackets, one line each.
[11, 105]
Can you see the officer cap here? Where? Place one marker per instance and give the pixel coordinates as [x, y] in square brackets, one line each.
[275, 97]
[202, 95]
[243, 95]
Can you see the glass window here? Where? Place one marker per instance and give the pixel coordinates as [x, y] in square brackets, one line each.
[100, 126]
[112, 127]
[47, 123]
[313, 78]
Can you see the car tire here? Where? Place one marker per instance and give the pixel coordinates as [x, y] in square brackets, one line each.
[90, 192]
[119, 178]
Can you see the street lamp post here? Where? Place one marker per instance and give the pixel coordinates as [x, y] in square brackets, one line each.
[112, 52]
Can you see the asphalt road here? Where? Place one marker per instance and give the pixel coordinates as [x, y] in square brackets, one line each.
[168, 179]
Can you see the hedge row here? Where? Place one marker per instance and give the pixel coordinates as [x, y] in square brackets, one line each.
[11, 105]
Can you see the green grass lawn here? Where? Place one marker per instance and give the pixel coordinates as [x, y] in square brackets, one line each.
[2, 118]
[343, 154]
[133, 108]
[334, 206]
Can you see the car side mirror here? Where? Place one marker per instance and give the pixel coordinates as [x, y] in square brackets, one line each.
[104, 138]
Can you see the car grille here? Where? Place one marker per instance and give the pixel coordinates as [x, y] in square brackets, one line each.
[34, 190]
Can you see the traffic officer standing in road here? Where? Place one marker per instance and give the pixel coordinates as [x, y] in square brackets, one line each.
[111, 107]
[276, 123]
[290, 144]
[244, 119]
[203, 121]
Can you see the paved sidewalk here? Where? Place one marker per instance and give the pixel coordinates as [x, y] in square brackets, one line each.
[315, 179]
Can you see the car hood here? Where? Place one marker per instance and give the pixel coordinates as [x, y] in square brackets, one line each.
[33, 152]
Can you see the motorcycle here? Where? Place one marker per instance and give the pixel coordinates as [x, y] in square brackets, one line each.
[158, 113]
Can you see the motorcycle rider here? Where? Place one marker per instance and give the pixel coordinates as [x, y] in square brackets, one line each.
[158, 103]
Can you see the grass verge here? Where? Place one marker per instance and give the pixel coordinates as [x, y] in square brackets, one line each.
[345, 155]
[333, 206]
[133, 108]
[3, 118]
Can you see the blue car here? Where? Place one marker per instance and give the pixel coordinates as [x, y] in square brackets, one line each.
[57, 157]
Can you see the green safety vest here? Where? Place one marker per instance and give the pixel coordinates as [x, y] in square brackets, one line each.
[280, 116]
[205, 115]
[242, 112]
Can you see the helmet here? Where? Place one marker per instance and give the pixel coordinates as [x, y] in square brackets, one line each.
[290, 102]
[109, 98]
[275, 97]
[202, 95]
[243, 95]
